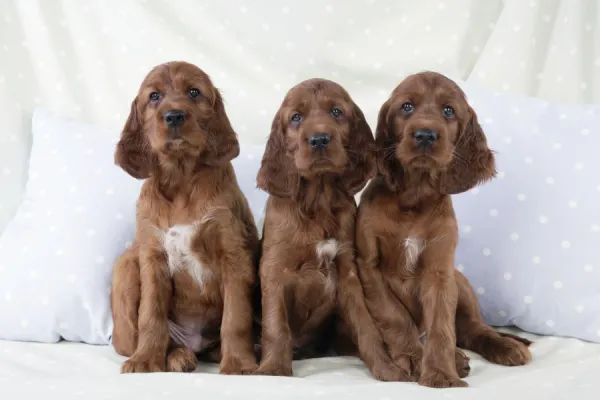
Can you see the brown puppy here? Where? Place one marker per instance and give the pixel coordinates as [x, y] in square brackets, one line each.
[319, 154]
[185, 285]
[430, 146]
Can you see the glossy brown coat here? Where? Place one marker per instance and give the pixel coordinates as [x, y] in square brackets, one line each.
[185, 286]
[407, 233]
[307, 271]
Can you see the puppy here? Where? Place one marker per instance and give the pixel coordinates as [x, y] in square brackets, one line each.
[319, 154]
[185, 286]
[429, 146]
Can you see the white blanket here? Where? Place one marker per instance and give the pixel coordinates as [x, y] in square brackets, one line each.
[561, 369]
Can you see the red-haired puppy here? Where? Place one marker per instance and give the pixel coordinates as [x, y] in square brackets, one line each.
[429, 146]
[184, 287]
[319, 154]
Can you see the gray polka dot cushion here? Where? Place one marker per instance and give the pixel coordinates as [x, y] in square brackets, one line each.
[530, 239]
[77, 216]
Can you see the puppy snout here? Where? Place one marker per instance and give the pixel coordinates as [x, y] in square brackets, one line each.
[174, 118]
[319, 140]
[425, 137]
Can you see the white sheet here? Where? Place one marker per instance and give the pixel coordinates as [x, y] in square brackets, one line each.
[561, 369]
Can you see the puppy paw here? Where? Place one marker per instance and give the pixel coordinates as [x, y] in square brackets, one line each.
[439, 379]
[235, 366]
[181, 359]
[397, 371]
[143, 365]
[274, 370]
[507, 351]
[462, 363]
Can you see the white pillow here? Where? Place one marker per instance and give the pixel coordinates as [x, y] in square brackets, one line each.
[530, 239]
[77, 216]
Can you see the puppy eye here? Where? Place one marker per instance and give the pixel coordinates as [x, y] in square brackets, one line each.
[193, 92]
[296, 118]
[448, 111]
[154, 97]
[336, 112]
[408, 107]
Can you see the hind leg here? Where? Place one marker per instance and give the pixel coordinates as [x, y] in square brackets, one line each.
[125, 301]
[473, 334]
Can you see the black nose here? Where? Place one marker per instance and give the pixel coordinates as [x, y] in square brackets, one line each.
[319, 140]
[174, 118]
[425, 137]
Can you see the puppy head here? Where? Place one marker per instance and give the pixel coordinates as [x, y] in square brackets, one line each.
[177, 114]
[427, 125]
[317, 131]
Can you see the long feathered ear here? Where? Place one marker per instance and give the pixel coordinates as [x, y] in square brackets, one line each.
[278, 175]
[133, 152]
[386, 141]
[473, 162]
[361, 165]
[225, 146]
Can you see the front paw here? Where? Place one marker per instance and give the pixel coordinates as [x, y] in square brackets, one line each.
[143, 365]
[274, 370]
[397, 371]
[440, 379]
[181, 360]
[462, 363]
[235, 366]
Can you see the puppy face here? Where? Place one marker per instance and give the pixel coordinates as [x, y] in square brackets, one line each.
[177, 114]
[317, 131]
[427, 124]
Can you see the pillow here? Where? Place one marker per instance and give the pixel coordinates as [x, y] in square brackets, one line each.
[77, 217]
[529, 239]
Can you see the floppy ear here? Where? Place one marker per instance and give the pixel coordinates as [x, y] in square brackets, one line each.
[388, 165]
[361, 154]
[225, 146]
[133, 152]
[473, 162]
[278, 175]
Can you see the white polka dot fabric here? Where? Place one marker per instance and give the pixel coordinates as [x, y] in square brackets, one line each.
[87, 58]
[529, 238]
[78, 215]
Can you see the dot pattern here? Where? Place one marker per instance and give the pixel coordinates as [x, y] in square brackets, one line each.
[528, 240]
[60, 289]
[87, 60]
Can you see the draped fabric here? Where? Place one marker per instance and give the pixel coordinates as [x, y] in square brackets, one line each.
[86, 58]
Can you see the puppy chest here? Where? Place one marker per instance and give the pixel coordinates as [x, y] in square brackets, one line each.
[402, 254]
[178, 244]
[322, 272]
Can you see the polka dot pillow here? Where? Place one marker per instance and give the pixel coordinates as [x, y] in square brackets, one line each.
[529, 239]
[77, 216]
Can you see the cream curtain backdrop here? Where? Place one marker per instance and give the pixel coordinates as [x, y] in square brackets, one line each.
[86, 58]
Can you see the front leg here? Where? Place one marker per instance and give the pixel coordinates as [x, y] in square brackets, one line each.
[277, 349]
[439, 297]
[151, 352]
[237, 348]
[361, 325]
[393, 319]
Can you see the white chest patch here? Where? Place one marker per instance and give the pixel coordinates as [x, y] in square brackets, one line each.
[326, 251]
[177, 243]
[413, 247]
